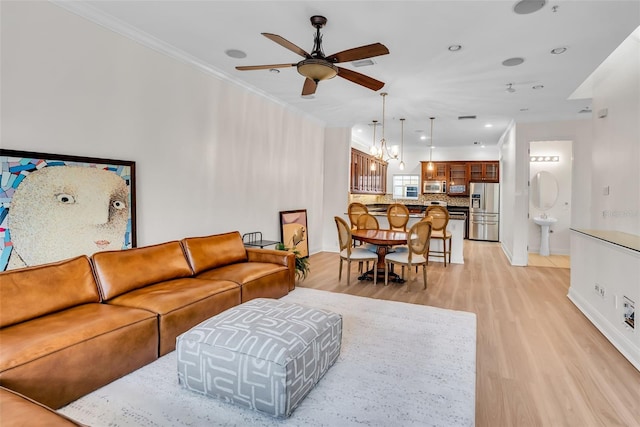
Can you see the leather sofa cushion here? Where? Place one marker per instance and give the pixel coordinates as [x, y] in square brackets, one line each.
[205, 253]
[60, 357]
[123, 271]
[181, 304]
[31, 292]
[258, 279]
[19, 410]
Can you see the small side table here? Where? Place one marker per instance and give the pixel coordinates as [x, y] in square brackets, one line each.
[254, 239]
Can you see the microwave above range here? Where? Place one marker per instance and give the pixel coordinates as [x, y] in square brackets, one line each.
[430, 187]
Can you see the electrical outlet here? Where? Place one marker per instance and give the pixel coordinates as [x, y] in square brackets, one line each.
[602, 292]
[596, 288]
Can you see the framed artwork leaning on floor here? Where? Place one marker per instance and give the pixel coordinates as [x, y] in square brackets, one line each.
[55, 207]
[293, 231]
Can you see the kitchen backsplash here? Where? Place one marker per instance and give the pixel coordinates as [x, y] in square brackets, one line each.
[369, 199]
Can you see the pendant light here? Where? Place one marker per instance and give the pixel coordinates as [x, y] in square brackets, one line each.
[430, 165]
[374, 150]
[401, 166]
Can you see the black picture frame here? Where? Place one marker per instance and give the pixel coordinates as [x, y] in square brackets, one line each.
[293, 231]
[113, 200]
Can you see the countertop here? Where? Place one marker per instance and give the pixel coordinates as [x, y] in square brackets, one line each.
[626, 240]
[383, 213]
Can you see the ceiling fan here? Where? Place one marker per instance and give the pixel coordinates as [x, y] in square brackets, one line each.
[316, 66]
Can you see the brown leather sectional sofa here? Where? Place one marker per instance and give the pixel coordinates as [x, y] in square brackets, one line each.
[70, 327]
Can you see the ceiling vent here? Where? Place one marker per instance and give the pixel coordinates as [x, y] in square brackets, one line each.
[362, 63]
[466, 117]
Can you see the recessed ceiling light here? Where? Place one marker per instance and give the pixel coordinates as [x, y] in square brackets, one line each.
[488, 125]
[482, 146]
[524, 7]
[536, 87]
[454, 47]
[524, 109]
[511, 62]
[235, 53]
[423, 137]
[274, 70]
[558, 50]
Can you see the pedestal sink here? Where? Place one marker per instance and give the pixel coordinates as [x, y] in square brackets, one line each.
[544, 222]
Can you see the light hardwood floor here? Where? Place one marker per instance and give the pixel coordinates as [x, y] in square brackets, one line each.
[540, 362]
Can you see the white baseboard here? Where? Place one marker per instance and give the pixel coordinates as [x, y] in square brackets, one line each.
[604, 325]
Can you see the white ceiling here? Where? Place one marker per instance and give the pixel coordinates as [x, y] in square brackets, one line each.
[422, 77]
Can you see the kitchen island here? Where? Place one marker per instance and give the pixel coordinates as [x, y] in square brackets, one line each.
[456, 227]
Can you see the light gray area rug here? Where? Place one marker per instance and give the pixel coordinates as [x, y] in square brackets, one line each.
[400, 365]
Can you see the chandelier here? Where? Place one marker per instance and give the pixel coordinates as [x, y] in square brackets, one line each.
[384, 153]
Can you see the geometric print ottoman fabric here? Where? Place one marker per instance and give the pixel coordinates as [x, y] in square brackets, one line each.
[264, 354]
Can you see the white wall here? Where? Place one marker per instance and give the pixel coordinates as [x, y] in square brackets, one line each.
[511, 195]
[561, 210]
[615, 162]
[210, 156]
[616, 146]
[336, 183]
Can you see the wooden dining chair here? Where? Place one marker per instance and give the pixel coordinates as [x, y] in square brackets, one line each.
[367, 221]
[418, 240]
[398, 216]
[354, 211]
[350, 254]
[439, 222]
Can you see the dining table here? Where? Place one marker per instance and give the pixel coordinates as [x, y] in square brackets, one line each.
[384, 240]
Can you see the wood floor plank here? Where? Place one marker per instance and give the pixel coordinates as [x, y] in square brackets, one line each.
[540, 362]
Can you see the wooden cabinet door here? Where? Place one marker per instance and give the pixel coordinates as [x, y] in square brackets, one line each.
[368, 174]
[438, 173]
[484, 171]
[492, 172]
[458, 177]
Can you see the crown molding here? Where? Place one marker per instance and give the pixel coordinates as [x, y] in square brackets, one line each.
[86, 11]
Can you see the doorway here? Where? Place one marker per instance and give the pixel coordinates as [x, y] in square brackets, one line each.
[550, 187]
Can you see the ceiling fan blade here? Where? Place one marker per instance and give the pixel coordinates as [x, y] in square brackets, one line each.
[309, 87]
[360, 79]
[362, 52]
[264, 67]
[286, 43]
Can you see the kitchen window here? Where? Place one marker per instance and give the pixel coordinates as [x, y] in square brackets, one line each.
[406, 187]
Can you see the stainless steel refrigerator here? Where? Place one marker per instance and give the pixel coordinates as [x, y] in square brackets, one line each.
[484, 211]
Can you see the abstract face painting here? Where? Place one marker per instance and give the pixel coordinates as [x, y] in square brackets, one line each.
[58, 212]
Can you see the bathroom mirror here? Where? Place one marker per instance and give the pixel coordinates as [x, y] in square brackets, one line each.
[544, 190]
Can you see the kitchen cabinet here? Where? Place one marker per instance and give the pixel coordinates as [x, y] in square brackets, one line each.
[368, 174]
[458, 179]
[439, 172]
[484, 171]
[459, 174]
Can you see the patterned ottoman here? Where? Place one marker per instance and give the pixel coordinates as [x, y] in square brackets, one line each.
[264, 354]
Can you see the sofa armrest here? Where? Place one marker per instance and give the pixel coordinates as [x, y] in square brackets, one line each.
[286, 258]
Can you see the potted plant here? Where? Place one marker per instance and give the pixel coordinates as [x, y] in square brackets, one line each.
[302, 263]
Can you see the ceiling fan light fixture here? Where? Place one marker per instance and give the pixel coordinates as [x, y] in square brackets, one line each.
[317, 69]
